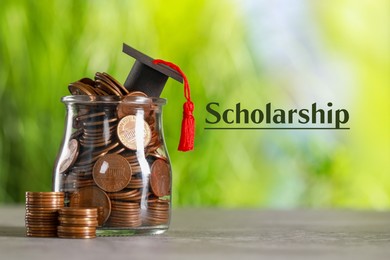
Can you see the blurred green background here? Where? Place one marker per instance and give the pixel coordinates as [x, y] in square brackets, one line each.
[289, 53]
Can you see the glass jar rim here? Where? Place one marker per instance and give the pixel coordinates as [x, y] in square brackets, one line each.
[89, 99]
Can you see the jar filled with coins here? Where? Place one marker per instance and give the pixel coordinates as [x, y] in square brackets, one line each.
[113, 157]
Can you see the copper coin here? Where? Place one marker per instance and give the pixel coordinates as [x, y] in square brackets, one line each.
[78, 211]
[79, 88]
[48, 234]
[101, 77]
[44, 194]
[133, 132]
[41, 210]
[75, 236]
[119, 85]
[124, 194]
[159, 154]
[87, 81]
[75, 229]
[112, 172]
[45, 199]
[135, 94]
[92, 196]
[160, 178]
[76, 222]
[109, 89]
[100, 92]
[41, 215]
[126, 107]
[98, 123]
[135, 183]
[71, 152]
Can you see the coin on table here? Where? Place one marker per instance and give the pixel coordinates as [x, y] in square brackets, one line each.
[92, 196]
[112, 172]
[133, 131]
[70, 155]
[78, 212]
[160, 178]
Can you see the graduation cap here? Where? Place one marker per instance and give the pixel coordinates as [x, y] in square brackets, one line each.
[149, 76]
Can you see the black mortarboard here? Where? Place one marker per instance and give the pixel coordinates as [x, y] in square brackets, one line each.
[147, 76]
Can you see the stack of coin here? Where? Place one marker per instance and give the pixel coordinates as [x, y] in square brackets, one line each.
[77, 222]
[124, 214]
[158, 213]
[42, 213]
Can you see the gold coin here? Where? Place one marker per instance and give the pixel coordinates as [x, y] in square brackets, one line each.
[133, 132]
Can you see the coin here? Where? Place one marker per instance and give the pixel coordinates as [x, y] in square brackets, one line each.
[78, 222]
[88, 81]
[41, 217]
[78, 211]
[70, 155]
[133, 132]
[75, 229]
[79, 88]
[160, 178]
[135, 183]
[101, 77]
[124, 195]
[44, 194]
[60, 235]
[127, 107]
[119, 85]
[99, 123]
[45, 234]
[92, 196]
[112, 172]
[109, 89]
[158, 213]
[135, 94]
[125, 214]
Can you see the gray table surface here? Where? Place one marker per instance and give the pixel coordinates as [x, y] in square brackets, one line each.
[218, 234]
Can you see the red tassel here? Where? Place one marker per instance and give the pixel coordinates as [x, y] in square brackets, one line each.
[188, 123]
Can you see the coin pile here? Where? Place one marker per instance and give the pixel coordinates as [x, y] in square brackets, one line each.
[103, 85]
[77, 222]
[42, 213]
[115, 157]
[158, 213]
[125, 214]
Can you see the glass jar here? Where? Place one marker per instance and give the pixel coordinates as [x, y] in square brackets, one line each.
[113, 157]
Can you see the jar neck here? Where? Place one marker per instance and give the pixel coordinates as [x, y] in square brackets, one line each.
[111, 100]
